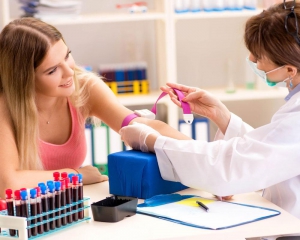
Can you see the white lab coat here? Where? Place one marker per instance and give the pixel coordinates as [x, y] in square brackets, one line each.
[242, 160]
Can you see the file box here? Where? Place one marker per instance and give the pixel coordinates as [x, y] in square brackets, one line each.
[136, 174]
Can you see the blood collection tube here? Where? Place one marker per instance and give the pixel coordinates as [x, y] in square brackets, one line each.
[56, 176]
[63, 202]
[70, 178]
[33, 210]
[75, 196]
[39, 209]
[17, 204]
[80, 196]
[68, 198]
[57, 203]
[24, 208]
[51, 202]
[10, 208]
[45, 207]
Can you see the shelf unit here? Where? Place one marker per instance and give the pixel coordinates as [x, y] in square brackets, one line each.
[167, 65]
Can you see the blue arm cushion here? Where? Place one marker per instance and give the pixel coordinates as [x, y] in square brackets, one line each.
[136, 174]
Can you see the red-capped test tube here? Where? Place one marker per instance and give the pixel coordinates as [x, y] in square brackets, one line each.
[17, 204]
[33, 210]
[10, 208]
[68, 198]
[75, 196]
[56, 176]
[80, 195]
[39, 209]
[57, 203]
[63, 202]
[24, 208]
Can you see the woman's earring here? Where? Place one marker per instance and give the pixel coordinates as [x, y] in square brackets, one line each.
[291, 83]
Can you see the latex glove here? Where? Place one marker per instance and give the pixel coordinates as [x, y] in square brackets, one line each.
[135, 135]
[225, 198]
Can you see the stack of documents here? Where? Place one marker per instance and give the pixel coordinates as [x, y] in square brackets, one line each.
[210, 214]
[51, 9]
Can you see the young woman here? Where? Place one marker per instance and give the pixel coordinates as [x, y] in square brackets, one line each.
[45, 100]
[243, 159]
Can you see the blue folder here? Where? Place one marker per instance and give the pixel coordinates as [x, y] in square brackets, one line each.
[136, 174]
[183, 209]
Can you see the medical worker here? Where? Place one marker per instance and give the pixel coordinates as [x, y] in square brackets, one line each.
[242, 159]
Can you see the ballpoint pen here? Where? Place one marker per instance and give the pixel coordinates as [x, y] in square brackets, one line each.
[202, 206]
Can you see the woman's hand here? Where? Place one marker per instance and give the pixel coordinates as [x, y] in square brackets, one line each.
[201, 102]
[91, 175]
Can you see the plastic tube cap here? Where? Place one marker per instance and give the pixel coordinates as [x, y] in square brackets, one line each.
[57, 186]
[17, 194]
[43, 189]
[51, 187]
[23, 194]
[64, 175]
[50, 182]
[56, 176]
[41, 183]
[75, 180]
[8, 193]
[33, 193]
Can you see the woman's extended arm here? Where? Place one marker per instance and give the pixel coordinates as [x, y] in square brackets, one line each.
[105, 105]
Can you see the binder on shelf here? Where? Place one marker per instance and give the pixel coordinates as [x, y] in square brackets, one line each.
[115, 142]
[89, 142]
[101, 141]
[185, 128]
[101, 146]
[198, 130]
[201, 129]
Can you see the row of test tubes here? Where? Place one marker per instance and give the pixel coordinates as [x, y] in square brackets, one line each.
[49, 205]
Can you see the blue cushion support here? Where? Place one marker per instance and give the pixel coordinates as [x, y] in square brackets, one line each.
[136, 174]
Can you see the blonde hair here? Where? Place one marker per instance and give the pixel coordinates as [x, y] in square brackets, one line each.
[23, 46]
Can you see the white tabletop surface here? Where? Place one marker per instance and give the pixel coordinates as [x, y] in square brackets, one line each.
[142, 227]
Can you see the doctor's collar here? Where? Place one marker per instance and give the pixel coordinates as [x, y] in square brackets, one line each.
[292, 92]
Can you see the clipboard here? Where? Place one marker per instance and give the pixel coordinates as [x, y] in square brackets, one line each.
[183, 209]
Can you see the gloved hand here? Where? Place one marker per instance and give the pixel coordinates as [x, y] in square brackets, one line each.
[135, 135]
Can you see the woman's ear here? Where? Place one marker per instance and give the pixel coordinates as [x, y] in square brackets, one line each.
[292, 71]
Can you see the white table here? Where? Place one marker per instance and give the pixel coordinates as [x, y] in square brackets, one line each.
[141, 227]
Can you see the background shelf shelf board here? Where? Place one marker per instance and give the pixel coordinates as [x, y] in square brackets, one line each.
[215, 14]
[148, 99]
[106, 18]
[241, 94]
[249, 94]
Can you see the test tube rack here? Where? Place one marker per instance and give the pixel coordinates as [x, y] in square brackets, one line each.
[20, 223]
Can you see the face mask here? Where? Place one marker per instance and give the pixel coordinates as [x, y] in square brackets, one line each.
[263, 75]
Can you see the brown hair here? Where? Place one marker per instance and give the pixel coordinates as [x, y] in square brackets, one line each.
[23, 46]
[266, 36]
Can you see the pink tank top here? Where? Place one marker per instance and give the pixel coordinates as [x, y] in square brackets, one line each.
[71, 154]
